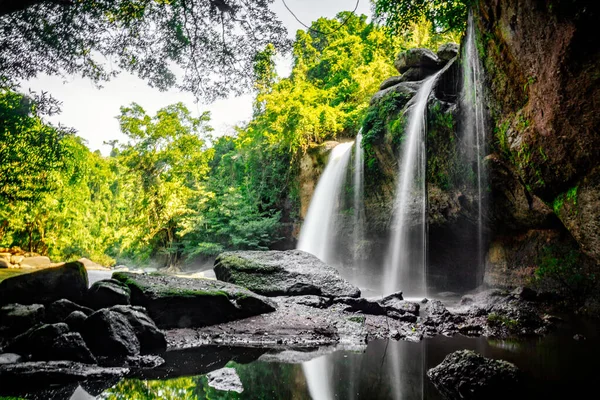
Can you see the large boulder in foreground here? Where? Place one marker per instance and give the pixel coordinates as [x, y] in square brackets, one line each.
[416, 58]
[282, 273]
[467, 375]
[174, 302]
[69, 281]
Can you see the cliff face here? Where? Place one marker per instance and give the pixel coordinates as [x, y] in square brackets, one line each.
[542, 63]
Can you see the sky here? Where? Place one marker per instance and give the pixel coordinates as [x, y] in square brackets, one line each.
[92, 111]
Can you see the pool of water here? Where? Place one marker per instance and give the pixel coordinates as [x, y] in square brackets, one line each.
[555, 366]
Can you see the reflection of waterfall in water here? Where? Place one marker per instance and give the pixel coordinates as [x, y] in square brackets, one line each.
[407, 367]
[358, 229]
[317, 238]
[406, 262]
[318, 231]
[473, 128]
[318, 380]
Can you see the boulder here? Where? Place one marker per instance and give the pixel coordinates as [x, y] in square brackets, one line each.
[59, 310]
[109, 333]
[10, 358]
[400, 306]
[151, 339]
[68, 281]
[447, 51]
[414, 74]
[282, 273]
[35, 261]
[17, 318]
[16, 259]
[68, 346]
[391, 81]
[37, 340]
[108, 293]
[226, 380]
[4, 263]
[467, 375]
[404, 91]
[361, 305]
[76, 320]
[175, 302]
[416, 58]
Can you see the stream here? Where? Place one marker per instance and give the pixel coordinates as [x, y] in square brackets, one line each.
[554, 366]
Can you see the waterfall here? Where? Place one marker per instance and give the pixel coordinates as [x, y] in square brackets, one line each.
[473, 128]
[358, 226]
[318, 230]
[406, 262]
[317, 238]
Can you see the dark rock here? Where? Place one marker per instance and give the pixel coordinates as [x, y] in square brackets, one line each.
[68, 346]
[43, 373]
[402, 316]
[417, 74]
[425, 300]
[400, 306]
[395, 295]
[404, 91]
[152, 340]
[75, 320]
[310, 301]
[17, 318]
[107, 293]
[467, 299]
[174, 302]
[525, 293]
[68, 281]
[467, 375]
[108, 333]
[361, 305]
[281, 273]
[447, 51]
[226, 380]
[37, 340]
[61, 309]
[391, 81]
[416, 58]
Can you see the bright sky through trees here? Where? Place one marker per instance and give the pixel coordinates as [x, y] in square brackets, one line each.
[92, 112]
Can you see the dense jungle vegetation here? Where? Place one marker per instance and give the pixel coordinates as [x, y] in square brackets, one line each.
[175, 190]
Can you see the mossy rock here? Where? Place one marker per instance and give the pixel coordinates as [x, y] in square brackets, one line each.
[175, 302]
[282, 273]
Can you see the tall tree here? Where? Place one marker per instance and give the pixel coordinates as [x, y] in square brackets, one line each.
[212, 42]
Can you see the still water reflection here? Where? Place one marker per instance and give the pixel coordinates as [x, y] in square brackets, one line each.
[555, 366]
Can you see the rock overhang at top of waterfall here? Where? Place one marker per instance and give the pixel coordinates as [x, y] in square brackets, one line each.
[282, 273]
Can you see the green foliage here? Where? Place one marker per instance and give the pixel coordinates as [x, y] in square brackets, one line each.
[569, 196]
[32, 153]
[565, 266]
[332, 80]
[444, 15]
[495, 319]
[445, 167]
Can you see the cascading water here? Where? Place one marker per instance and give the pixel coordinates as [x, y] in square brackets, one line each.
[317, 238]
[317, 234]
[406, 263]
[473, 128]
[358, 203]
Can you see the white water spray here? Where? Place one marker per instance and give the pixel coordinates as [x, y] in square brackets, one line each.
[473, 127]
[318, 231]
[358, 183]
[406, 263]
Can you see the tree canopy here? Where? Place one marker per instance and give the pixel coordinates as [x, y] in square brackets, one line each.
[444, 15]
[211, 44]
